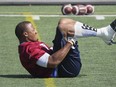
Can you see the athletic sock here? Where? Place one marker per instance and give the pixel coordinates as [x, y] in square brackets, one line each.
[105, 31]
[83, 30]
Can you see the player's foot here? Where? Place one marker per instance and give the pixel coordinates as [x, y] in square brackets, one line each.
[113, 25]
[108, 33]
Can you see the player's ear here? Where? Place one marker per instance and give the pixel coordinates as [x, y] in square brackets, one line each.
[25, 34]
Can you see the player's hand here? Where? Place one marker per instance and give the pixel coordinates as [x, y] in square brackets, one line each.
[71, 41]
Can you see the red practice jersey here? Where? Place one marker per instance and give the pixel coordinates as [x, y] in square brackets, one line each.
[29, 53]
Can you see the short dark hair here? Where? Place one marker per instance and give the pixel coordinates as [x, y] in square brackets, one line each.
[20, 28]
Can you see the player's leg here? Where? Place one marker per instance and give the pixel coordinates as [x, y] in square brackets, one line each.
[71, 65]
[72, 28]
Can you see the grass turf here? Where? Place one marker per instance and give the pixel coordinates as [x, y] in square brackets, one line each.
[98, 59]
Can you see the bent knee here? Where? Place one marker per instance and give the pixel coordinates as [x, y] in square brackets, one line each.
[63, 21]
[66, 21]
[66, 24]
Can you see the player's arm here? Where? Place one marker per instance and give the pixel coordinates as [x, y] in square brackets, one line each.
[58, 56]
[51, 61]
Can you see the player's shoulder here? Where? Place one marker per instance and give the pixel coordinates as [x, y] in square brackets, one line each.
[29, 45]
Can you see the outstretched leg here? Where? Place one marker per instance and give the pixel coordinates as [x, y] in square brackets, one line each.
[75, 29]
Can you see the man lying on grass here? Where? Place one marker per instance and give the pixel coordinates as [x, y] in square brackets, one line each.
[64, 59]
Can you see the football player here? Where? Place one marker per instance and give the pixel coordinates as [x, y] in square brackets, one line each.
[64, 60]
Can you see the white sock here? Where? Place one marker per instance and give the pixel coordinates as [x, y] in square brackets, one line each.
[83, 30]
[105, 31]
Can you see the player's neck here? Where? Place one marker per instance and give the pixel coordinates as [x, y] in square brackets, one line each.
[23, 40]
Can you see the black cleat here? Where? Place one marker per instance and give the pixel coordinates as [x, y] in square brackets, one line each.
[113, 25]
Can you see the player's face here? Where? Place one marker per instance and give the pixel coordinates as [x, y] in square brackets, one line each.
[31, 33]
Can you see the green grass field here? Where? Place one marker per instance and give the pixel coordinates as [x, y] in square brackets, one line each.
[98, 59]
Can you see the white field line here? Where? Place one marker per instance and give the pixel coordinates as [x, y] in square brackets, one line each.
[4, 15]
